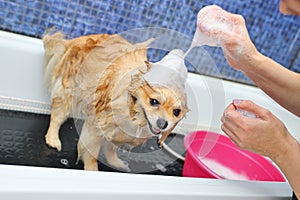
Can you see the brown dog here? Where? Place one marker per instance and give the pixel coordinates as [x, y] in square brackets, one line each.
[102, 77]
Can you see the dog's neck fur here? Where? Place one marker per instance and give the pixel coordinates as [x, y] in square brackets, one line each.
[117, 78]
[135, 111]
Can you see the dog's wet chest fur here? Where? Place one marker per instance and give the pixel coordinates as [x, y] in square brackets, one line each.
[124, 122]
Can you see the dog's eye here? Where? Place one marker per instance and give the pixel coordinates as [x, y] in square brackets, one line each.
[154, 102]
[176, 112]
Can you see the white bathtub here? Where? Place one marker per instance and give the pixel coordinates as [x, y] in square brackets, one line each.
[21, 88]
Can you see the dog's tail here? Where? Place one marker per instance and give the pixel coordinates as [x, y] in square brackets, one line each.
[54, 45]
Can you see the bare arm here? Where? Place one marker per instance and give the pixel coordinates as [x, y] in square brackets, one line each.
[278, 82]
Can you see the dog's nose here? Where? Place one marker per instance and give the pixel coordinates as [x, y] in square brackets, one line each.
[161, 123]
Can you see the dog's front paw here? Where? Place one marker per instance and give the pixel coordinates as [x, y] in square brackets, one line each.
[53, 142]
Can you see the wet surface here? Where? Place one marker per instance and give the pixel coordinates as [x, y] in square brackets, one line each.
[22, 143]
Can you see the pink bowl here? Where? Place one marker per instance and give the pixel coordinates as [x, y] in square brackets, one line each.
[226, 154]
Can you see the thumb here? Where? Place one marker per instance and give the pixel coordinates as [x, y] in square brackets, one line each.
[250, 106]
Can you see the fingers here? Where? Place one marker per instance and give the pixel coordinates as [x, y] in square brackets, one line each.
[227, 124]
[232, 123]
[221, 28]
[248, 133]
[248, 105]
[230, 134]
[264, 135]
[237, 126]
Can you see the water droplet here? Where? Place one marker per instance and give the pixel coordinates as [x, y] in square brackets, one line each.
[161, 167]
[64, 162]
[152, 148]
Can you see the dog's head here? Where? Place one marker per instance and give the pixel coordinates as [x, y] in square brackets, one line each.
[159, 106]
[158, 97]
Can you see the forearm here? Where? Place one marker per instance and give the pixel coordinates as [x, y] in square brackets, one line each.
[278, 82]
[289, 162]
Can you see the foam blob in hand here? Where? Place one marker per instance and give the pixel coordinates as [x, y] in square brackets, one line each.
[245, 113]
[212, 21]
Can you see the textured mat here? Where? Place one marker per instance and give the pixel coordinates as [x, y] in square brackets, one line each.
[22, 143]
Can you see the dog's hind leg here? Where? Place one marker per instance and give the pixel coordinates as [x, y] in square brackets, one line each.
[60, 111]
[89, 146]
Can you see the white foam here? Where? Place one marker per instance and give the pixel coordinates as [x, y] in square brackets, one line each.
[246, 113]
[169, 72]
[212, 21]
[223, 171]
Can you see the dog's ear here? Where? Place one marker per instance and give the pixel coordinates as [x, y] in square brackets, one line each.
[148, 65]
[138, 82]
[146, 68]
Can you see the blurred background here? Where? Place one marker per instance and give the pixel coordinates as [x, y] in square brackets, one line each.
[274, 34]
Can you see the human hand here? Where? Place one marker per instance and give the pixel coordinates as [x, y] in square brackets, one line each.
[217, 27]
[265, 134]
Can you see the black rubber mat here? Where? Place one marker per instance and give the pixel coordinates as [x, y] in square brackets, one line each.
[22, 143]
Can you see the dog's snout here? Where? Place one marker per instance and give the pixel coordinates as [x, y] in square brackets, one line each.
[161, 123]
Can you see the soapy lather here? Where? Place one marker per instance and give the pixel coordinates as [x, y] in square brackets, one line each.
[244, 112]
[214, 28]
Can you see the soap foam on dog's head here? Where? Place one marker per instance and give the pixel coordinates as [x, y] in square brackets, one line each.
[170, 72]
